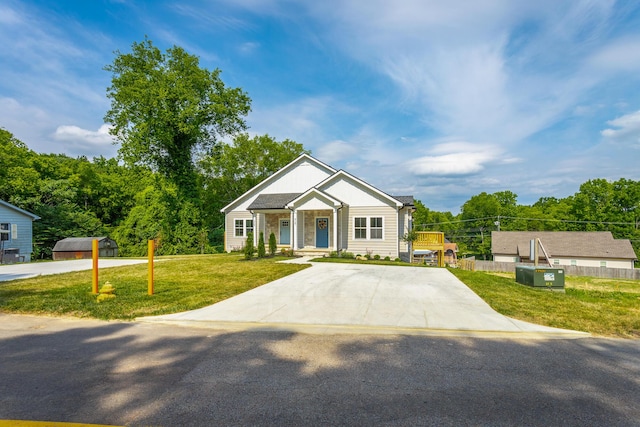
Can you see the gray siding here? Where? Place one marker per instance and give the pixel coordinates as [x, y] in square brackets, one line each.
[24, 227]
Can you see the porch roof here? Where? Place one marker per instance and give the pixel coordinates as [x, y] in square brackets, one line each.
[272, 201]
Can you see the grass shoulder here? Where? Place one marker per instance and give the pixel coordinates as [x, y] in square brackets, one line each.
[181, 283]
[605, 307]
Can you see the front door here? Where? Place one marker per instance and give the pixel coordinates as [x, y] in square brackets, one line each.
[285, 232]
[322, 232]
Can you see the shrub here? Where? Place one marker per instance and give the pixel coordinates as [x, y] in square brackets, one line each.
[397, 260]
[334, 254]
[261, 250]
[249, 249]
[387, 258]
[272, 244]
[376, 257]
[345, 254]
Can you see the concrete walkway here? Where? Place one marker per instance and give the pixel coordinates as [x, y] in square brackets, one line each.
[343, 298]
[33, 269]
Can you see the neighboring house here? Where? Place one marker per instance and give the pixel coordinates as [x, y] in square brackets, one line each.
[16, 233]
[579, 248]
[311, 207]
[450, 252]
[81, 247]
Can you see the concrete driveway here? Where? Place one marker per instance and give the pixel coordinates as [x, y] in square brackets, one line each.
[33, 269]
[343, 298]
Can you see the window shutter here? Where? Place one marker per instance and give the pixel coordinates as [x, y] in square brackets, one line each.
[14, 231]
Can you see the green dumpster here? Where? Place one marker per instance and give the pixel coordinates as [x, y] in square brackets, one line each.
[540, 277]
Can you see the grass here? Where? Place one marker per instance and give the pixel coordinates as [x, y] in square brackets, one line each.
[182, 283]
[605, 307]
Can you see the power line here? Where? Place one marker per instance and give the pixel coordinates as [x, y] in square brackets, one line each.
[498, 217]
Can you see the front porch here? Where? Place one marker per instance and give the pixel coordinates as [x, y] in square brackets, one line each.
[306, 232]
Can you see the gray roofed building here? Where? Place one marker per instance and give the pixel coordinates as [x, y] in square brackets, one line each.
[81, 247]
[580, 248]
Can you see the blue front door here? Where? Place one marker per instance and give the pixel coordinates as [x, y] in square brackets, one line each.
[322, 232]
[285, 232]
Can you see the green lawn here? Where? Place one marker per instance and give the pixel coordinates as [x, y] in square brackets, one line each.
[182, 283]
[607, 307]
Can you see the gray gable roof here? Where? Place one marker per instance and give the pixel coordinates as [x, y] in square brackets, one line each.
[405, 200]
[272, 201]
[73, 244]
[578, 244]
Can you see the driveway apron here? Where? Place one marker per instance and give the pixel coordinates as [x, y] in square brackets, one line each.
[344, 297]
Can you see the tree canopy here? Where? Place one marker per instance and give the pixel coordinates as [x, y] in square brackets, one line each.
[166, 109]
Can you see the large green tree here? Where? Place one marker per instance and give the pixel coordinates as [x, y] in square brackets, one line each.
[166, 109]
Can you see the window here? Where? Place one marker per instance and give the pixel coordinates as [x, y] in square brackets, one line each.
[573, 262]
[4, 232]
[243, 227]
[239, 228]
[556, 262]
[368, 228]
[360, 228]
[603, 263]
[376, 228]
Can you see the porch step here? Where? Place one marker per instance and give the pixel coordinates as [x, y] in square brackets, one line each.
[313, 252]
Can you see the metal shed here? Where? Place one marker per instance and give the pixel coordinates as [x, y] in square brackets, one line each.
[80, 247]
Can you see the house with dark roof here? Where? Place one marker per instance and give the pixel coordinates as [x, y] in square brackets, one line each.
[313, 208]
[82, 248]
[16, 233]
[578, 248]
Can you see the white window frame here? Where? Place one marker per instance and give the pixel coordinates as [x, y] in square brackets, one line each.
[5, 233]
[380, 228]
[244, 227]
[368, 228]
[238, 227]
[360, 228]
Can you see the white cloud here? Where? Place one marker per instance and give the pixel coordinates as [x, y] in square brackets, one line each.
[457, 159]
[335, 151]
[83, 136]
[628, 129]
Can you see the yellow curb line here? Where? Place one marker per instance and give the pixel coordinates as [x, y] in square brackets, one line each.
[25, 423]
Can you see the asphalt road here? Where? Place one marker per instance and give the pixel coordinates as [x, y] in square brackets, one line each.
[146, 374]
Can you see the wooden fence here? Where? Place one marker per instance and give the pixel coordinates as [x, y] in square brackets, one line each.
[570, 270]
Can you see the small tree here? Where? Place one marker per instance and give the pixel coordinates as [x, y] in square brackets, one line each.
[249, 249]
[273, 246]
[261, 250]
[410, 237]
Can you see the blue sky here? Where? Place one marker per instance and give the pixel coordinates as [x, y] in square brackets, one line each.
[438, 99]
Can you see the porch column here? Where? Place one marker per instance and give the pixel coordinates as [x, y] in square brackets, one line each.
[256, 230]
[294, 229]
[335, 229]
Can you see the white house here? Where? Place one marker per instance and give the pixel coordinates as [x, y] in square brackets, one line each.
[311, 207]
[578, 248]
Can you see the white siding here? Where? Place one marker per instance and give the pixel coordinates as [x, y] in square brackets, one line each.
[312, 202]
[388, 246]
[233, 242]
[403, 227]
[579, 262]
[353, 194]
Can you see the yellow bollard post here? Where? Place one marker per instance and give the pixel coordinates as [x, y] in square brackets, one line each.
[150, 250]
[94, 256]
